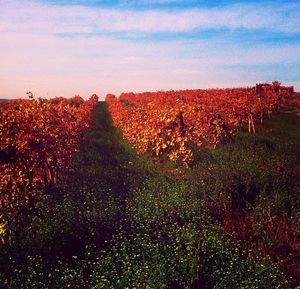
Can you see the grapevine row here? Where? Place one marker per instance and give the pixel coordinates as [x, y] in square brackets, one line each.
[164, 124]
[37, 139]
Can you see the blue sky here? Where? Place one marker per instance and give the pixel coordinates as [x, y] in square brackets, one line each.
[81, 47]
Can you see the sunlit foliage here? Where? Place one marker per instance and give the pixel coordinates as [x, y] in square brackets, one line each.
[165, 123]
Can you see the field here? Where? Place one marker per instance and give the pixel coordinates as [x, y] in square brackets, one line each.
[185, 189]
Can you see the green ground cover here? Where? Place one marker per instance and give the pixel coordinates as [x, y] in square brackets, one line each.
[116, 220]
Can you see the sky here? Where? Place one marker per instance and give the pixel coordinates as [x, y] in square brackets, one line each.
[65, 48]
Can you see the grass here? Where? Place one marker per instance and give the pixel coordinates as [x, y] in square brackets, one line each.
[116, 220]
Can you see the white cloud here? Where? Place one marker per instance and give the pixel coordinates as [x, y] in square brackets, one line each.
[149, 2]
[34, 58]
[29, 16]
[50, 65]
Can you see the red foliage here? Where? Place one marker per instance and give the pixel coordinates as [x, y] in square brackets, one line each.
[163, 123]
[37, 139]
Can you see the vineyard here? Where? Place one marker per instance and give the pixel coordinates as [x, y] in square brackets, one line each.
[165, 123]
[37, 140]
[191, 189]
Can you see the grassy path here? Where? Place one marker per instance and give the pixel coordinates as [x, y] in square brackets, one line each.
[86, 208]
[115, 221]
[90, 200]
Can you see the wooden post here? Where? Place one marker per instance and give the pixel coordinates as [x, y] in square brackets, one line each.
[252, 123]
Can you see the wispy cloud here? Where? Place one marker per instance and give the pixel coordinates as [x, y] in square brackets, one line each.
[34, 57]
[26, 16]
[149, 2]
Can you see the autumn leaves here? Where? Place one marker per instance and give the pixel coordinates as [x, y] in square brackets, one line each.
[164, 124]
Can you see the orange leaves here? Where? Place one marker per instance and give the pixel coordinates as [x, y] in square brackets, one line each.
[37, 138]
[150, 128]
[163, 123]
